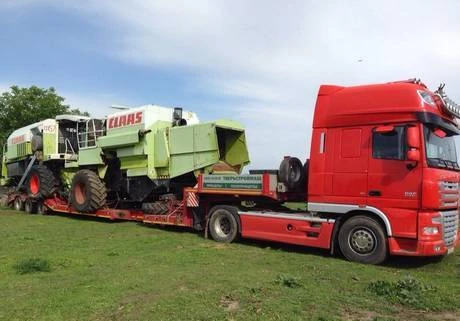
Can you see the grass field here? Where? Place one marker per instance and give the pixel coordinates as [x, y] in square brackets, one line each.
[61, 268]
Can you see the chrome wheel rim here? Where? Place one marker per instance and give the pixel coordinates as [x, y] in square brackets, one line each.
[362, 240]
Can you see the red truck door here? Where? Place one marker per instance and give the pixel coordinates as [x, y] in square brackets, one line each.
[349, 180]
[393, 184]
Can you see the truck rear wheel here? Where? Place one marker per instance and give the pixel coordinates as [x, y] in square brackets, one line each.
[223, 224]
[41, 182]
[363, 240]
[88, 192]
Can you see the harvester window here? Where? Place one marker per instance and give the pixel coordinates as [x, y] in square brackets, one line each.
[389, 145]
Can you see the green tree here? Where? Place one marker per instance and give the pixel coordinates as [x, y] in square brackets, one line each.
[20, 107]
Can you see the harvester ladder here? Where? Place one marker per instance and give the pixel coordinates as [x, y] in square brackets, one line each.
[26, 173]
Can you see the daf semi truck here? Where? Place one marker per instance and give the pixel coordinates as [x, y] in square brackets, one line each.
[382, 179]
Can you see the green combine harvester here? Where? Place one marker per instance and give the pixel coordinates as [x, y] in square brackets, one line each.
[134, 157]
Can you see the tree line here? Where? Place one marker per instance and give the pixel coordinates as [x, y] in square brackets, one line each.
[22, 106]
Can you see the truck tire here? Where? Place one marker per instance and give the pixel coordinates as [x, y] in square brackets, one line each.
[363, 240]
[41, 182]
[18, 204]
[88, 192]
[30, 207]
[291, 173]
[223, 224]
[36, 143]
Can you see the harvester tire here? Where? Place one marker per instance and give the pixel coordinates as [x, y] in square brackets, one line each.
[158, 208]
[88, 192]
[41, 182]
[36, 143]
[291, 173]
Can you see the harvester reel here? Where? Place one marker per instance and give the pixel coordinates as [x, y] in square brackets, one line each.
[41, 182]
[88, 192]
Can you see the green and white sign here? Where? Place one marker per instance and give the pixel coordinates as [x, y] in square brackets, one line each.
[233, 181]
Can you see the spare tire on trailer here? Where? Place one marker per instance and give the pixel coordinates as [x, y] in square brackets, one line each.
[88, 193]
[291, 173]
[41, 182]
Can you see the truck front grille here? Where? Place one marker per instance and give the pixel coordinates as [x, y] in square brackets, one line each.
[449, 227]
[449, 194]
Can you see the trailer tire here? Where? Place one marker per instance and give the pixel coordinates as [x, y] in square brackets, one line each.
[30, 207]
[88, 193]
[223, 224]
[291, 173]
[41, 208]
[362, 239]
[18, 204]
[41, 182]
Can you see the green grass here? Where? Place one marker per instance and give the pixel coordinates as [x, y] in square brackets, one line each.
[100, 270]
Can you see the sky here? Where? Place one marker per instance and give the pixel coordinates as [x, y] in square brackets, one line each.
[258, 62]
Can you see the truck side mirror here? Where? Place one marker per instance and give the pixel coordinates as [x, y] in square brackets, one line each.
[413, 137]
[413, 155]
[413, 142]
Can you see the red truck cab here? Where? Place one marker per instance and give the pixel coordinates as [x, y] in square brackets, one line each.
[387, 152]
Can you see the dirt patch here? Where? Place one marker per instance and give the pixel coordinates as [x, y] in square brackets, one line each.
[229, 303]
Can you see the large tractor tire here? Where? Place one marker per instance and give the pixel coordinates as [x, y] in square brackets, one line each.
[88, 192]
[41, 182]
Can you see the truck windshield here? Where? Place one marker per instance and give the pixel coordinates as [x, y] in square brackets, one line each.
[440, 152]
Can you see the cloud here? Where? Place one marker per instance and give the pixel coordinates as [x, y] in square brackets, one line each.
[268, 58]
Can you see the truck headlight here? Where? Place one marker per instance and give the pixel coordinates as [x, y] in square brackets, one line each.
[430, 230]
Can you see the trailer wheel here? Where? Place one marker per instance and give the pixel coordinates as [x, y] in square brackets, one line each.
[41, 182]
[18, 204]
[41, 208]
[223, 224]
[362, 239]
[88, 192]
[291, 173]
[30, 207]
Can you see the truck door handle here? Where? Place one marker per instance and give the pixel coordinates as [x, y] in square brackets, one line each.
[375, 193]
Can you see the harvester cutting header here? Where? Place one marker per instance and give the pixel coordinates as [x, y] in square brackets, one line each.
[134, 155]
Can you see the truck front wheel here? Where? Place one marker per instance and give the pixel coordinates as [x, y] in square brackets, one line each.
[223, 224]
[362, 239]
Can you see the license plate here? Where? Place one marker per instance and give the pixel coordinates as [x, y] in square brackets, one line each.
[450, 251]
